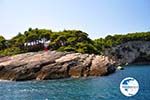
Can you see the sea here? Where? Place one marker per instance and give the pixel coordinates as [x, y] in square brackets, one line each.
[91, 88]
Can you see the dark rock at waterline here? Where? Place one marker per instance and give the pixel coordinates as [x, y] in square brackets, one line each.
[53, 65]
[110, 69]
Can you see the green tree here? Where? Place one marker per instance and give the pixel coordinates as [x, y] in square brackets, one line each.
[18, 40]
[3, 44]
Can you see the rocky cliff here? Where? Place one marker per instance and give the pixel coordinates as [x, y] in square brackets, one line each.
[52, 65]
[132, 52]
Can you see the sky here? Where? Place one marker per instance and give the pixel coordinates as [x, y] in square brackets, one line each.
[98, 18]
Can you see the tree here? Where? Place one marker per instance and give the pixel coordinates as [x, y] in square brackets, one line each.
[2, 43]
[18, 41]
[72, 40]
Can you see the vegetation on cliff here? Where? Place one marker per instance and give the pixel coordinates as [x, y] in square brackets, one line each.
[67, 40]
[109, 41]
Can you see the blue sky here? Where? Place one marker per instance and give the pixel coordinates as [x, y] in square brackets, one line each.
[96, 17]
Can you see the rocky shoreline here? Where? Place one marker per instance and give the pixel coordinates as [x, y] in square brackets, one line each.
[54, 65]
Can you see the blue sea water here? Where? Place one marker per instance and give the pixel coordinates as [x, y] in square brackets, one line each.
[93, 88]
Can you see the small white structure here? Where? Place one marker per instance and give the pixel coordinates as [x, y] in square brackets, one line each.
[43, 41]
[46, 44]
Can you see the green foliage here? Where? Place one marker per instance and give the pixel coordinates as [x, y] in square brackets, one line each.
[18, 41]
[66, 48]
[10, 51]
[86, 48]
[3, 43]
[109, 41]
[67, 40]
[72, 40]
[33, 39]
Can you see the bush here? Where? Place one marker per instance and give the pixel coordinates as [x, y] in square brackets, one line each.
[10, 51]
[67, 48]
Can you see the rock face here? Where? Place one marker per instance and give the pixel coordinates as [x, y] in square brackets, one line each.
[137, 52]
[53, 65]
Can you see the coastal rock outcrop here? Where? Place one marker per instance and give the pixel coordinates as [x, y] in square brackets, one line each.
[53, 65]
[131, 52]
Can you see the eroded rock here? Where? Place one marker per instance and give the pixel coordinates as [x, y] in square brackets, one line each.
[53, 65]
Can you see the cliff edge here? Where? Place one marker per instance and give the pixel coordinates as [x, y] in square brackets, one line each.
[131, 52]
